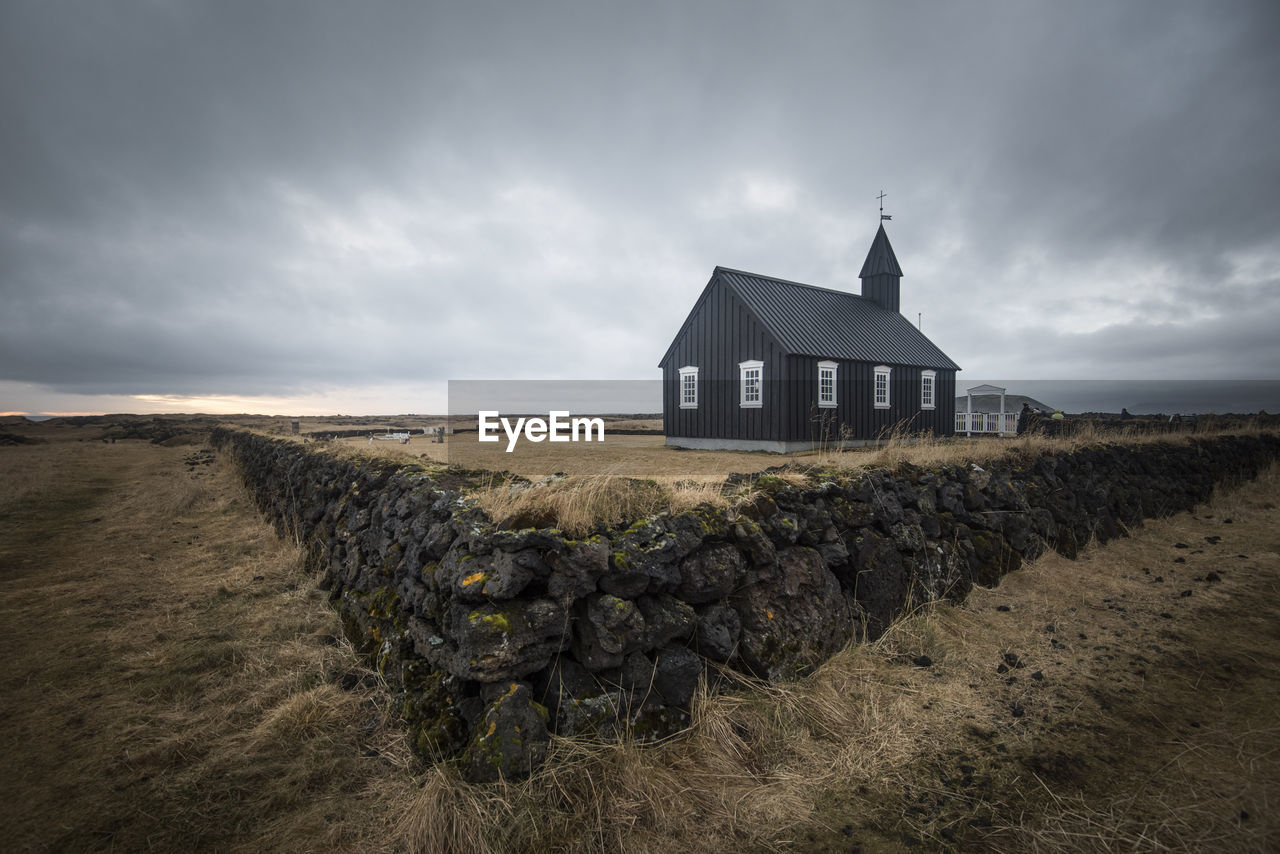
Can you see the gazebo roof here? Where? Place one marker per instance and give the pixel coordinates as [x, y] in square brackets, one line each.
[985, 389]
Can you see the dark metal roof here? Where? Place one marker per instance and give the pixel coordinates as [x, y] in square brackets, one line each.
[880, 258]
[812, 321]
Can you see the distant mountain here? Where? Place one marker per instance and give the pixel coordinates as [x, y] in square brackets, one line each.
[991, 403]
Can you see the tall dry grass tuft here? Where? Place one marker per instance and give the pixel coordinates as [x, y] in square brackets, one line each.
[577, 503]
[301, 717]
[448, 816]
[747, 771]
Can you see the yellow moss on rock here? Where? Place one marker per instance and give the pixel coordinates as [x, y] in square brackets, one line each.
[499, 621]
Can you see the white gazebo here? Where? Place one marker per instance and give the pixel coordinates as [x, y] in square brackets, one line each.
[970, 422]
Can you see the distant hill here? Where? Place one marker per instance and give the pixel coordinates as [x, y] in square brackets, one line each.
[991, 403]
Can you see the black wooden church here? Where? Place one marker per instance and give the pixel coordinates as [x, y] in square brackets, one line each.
[767, 364]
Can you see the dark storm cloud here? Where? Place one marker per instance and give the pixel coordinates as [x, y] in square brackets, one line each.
[212, 198]
[1150, 128]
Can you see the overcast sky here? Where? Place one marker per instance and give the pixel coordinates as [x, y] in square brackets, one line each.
[307, 207]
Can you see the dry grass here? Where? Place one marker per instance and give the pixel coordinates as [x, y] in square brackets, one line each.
[580, 486]
[647, 456]
[28, 473]
[1133, 716]
[174, 682]
[577, 504]
[900, 446]
[1151, 724]
[745, 774]
[642, 456]
[172, 679]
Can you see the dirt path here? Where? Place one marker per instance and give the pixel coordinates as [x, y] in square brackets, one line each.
[170, 680]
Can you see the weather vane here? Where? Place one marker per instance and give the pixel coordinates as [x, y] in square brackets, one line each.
[883, 217]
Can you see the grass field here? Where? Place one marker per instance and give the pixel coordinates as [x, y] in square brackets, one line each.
[172, 681]
[600, 480]
[624, 455]
[648, 456]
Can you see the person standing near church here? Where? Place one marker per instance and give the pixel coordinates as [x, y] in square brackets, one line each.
[1024, 417]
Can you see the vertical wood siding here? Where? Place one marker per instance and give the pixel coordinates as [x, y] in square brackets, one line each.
[721, 333]
[855, 410]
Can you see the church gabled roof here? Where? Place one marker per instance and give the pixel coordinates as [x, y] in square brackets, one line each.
[880, 258]
[812, 321]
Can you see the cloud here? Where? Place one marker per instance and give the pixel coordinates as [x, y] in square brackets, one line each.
[278, 203]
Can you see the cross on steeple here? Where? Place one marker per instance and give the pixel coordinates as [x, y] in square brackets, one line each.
[882, 214]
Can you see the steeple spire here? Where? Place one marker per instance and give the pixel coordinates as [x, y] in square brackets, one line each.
[880, 260]
[881, 274]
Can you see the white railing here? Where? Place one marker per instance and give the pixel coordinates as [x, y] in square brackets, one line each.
[402, 438]
[987, 422]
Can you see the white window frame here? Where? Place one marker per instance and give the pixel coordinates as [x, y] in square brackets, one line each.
[745, 400]
[827, 402]
[881, 401]
[689, 387]
[928, 389]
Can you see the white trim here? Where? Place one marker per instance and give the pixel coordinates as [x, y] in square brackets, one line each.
[928, 380]
[886, 372]
[702, 444]
[746, 399]
[833, 367]
[685, 403]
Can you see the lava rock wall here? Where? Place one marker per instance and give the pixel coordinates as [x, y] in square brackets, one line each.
[495, 638]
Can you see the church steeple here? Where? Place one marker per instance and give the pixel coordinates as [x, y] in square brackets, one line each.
[881, 274]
